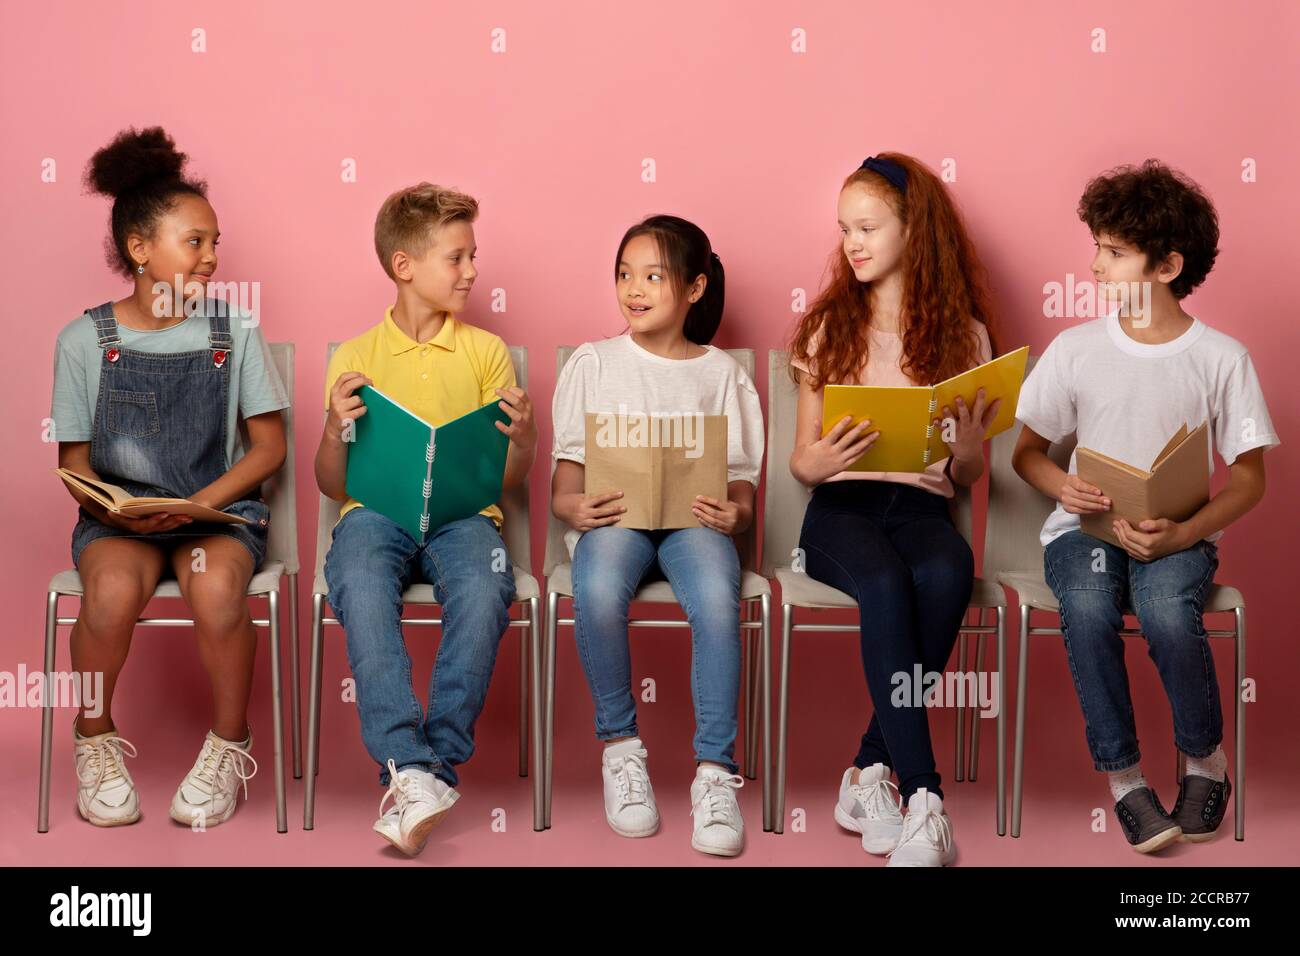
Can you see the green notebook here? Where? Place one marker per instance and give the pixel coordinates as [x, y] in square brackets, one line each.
[422, 476]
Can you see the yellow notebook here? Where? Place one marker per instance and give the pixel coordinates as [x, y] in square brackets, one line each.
[903, 416]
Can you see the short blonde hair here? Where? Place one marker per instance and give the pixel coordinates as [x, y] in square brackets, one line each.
[409, 218]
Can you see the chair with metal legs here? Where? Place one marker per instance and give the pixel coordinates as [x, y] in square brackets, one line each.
[281, 555]
[1016, 515]
[755, 603]
[517, 537]
[786, 501]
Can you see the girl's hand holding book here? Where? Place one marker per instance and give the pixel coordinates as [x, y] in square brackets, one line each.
[837, 449]
[721, 516]
[968, 426]
[584, 513]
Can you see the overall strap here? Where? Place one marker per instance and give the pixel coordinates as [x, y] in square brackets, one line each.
[105, 325]
[220, 340]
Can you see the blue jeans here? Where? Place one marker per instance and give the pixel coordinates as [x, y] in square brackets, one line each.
[1094, 581]
[894, 549]
[370, 563]
[703, 567]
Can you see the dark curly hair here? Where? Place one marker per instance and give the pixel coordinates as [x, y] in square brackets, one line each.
[1159, 210]
[143, 173]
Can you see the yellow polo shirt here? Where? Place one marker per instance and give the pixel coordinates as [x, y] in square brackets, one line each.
[452, 374]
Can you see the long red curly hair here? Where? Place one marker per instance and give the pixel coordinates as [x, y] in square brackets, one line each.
[945, 287]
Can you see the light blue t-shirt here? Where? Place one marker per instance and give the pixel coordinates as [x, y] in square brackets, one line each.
[255, 386]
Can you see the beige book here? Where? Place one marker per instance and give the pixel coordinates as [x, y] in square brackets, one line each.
[659, 462]
[117, 500]
[1176, 487]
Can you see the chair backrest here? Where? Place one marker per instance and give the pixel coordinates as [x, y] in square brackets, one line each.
[556, 551]
[280, 489]
[1016, 509]
[787, 498]
[514, 503]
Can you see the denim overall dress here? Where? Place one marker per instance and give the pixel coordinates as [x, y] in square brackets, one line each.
[160, 431]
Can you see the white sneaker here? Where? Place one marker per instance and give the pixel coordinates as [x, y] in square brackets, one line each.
[210, 791]
[420, 801]
[872, 807]
[927, 834]
[629, 799]
[105, 791]
[719, 828]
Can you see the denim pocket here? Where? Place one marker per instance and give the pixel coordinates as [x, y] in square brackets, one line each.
[133, 414]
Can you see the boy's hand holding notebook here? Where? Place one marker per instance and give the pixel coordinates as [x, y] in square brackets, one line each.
[422, 476]
[660, 463]
[119, 501]
[1176, 487]
[909, 440]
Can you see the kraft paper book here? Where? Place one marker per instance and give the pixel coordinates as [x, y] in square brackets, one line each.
[659, 462]
[1175, 487]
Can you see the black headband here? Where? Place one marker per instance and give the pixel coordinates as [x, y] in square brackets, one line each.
[893, 172]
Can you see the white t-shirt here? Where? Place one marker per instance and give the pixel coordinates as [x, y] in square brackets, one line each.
[618, 376]
[1126, 398]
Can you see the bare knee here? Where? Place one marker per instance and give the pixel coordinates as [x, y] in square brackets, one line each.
[218, 598]
[114, 597]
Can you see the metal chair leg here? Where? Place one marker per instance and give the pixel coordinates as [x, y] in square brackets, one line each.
[765, 688]
[552, 604]
[313, 714]
[47, 713]
[1001, 719]
[1180, 766]
[535, 697]
[959, 713]
[973, 755]
[750, 662]
[1239, 757]
[277, 712]
[782, 719]
[295, 678]
[1022, 678]
[523, 702]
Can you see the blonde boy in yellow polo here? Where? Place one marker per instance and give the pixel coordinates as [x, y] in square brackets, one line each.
[428, 360]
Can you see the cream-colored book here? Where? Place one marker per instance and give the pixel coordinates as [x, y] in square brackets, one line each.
[117, 500]
[1175, 487]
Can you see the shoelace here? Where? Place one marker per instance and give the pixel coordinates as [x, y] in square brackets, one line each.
[877, 798]
[105, 761]
[935, 826]
[219, 763]
[631, 778]
[718, 798]
[401, 789]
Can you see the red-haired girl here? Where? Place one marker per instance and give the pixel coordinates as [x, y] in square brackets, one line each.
[906, 305]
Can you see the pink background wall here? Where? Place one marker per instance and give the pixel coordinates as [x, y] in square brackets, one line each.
[751, 141]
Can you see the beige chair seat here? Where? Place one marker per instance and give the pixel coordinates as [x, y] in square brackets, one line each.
[799, 589]
[264, 581]
[752, 586]
[526, 588]
[1035, 593]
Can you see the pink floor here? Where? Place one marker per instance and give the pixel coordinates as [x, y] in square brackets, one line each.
[1061, 790]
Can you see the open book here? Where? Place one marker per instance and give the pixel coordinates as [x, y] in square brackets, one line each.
[904, 416]
[422, 476]
[1175, 487]
[659, 462]
[119, 501]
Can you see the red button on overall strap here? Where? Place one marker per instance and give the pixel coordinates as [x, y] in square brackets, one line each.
[219, 358]
[112, 355]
